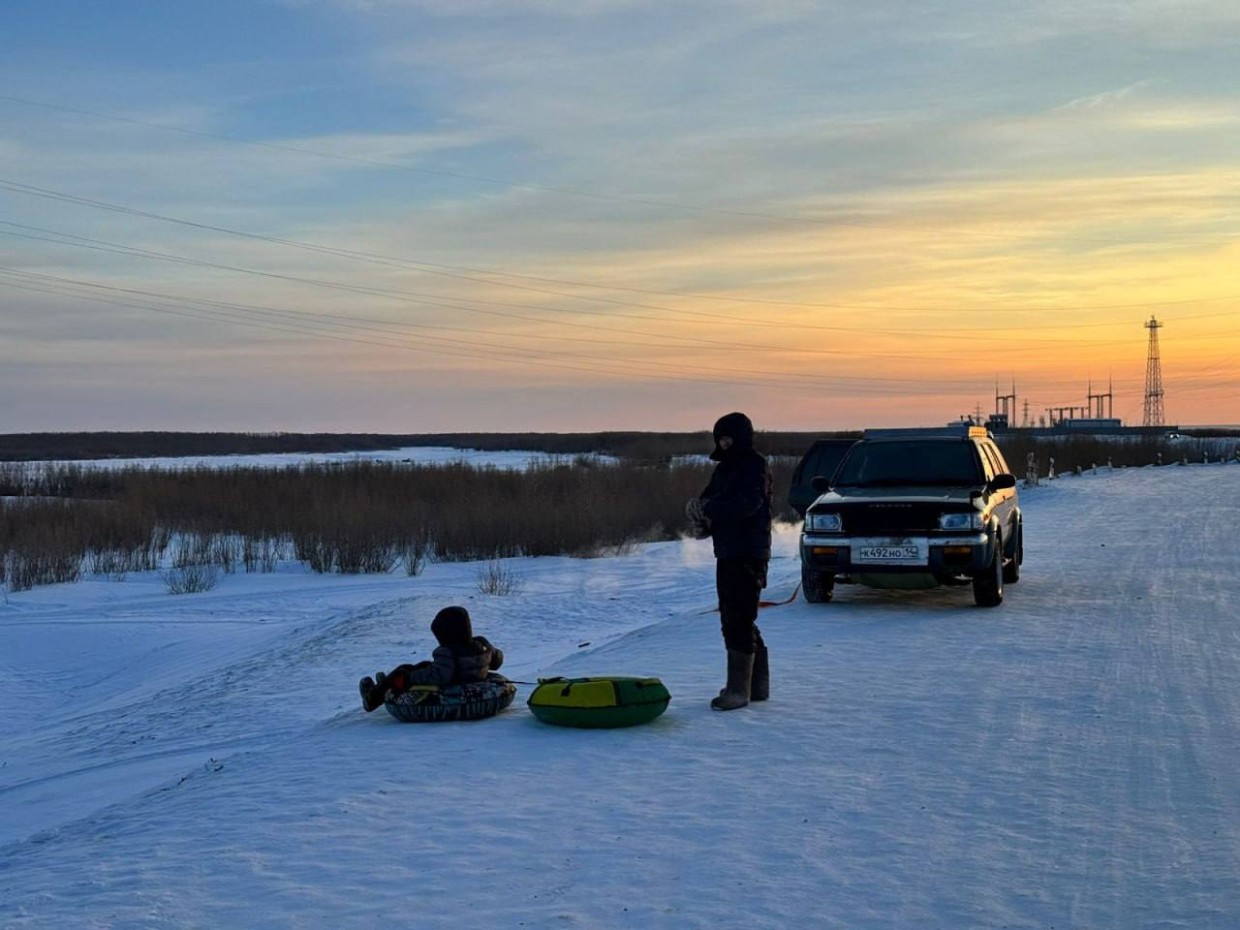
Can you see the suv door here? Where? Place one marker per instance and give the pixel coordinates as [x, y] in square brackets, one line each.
[1005, 505]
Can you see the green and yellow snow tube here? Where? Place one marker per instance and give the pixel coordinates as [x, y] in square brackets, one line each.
[598, 703]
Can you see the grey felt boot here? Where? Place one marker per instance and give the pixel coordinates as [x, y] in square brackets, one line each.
[740, 672]
[760, 684]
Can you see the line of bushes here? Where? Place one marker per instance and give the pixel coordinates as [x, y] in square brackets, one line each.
[66, 520]
[359, 517]
[1072, 452]
[640, 446]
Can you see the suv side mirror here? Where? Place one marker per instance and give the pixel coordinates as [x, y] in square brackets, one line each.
[820, 484]
[1002, 482]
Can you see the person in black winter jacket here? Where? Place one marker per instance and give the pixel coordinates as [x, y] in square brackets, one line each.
[460, 658]
[735, 512]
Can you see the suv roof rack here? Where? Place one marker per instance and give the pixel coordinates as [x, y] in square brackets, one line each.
[954, 431]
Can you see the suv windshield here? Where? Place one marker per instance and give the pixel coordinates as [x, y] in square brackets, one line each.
[909, 463]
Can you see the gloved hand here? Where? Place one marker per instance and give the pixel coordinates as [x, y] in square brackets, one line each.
[699, 523]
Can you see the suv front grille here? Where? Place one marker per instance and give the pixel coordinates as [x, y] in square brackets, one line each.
[892, 519]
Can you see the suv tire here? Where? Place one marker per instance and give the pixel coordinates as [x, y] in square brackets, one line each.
[1011, 570]
[988, 586]
[816, 586]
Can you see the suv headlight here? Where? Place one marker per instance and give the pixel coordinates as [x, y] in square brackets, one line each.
[960, 521]
[824, 522]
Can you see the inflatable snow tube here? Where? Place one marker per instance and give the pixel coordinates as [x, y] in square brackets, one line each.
[432, 704]
[598, 703]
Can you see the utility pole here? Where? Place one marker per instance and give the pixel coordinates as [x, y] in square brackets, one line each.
[1100, 404]
[1153, 379]
[1005, 404]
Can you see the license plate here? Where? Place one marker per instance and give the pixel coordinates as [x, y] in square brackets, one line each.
[895, 552]
[888, 554]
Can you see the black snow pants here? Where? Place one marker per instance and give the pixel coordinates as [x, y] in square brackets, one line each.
[740, 583]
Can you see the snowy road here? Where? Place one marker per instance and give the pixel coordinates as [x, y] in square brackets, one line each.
[1068, 760]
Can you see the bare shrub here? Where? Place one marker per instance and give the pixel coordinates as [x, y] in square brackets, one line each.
[629, 546]
[413, 554]
[43, 542]
[347, 551]
[495, 579]
[353, 556]
[192, 579]
[25, 571]
[111, 563]
[226, 552]
[261, 554]
[13, 479]
[190, 550]
[249, 553]
[311, 549]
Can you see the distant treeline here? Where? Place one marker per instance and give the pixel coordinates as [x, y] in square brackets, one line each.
[26, 447]
[1070, 452]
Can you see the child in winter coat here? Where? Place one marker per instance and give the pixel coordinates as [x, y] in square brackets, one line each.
[460, 657]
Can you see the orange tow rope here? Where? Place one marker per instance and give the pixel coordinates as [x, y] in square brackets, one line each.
[765, 604]
[796, 591]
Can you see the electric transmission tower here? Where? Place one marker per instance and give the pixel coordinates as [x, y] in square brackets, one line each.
[1153, 378]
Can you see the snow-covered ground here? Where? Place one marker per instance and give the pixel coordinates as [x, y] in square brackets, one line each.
[1068, 760]
[417, 455]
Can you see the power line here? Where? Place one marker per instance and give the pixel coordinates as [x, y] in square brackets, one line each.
[54, 284]
[538, 188]
[869, 386]
[407, 297]
[296, 324]
[433, 300]
[364, 322]
[64, 197]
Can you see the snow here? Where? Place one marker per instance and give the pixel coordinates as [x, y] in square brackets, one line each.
[1070, 759]
[417, 455]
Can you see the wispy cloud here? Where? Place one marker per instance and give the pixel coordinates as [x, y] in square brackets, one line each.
[866, 183]
[1105, 98]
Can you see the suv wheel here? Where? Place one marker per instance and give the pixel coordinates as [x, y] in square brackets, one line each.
[816, 586]
[988, 586]
[1011, 571]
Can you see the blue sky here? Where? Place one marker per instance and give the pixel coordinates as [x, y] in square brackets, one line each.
[428, 216]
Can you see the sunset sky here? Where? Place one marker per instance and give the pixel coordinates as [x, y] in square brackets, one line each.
[439, 215]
